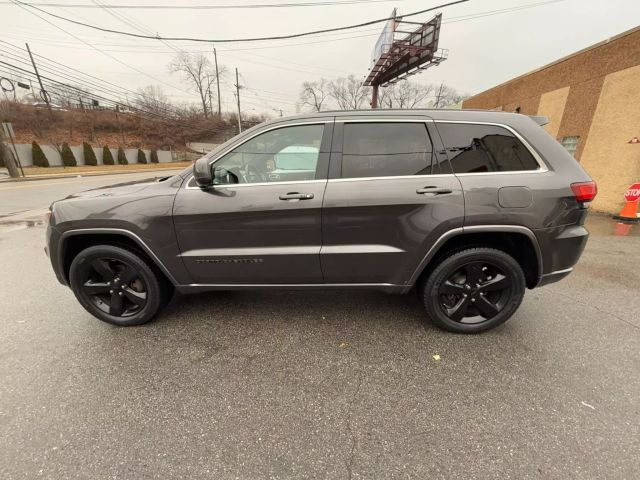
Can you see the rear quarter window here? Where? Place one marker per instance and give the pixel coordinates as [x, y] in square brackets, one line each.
[477, 148]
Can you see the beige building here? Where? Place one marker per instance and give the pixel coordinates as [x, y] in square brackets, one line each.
[592, 100]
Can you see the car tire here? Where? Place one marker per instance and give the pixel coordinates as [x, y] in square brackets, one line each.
[117, 286]
[473, 290]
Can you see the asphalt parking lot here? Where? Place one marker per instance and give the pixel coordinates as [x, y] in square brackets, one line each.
[321, 384]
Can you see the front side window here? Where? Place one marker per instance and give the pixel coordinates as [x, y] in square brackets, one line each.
[386, 149]
[283, 154]
[477, 148]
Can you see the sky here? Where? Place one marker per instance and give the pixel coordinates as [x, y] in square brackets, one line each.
[486, 46]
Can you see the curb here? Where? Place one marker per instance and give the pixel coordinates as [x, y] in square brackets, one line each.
[85, 174]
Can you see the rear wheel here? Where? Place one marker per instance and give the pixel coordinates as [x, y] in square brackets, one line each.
[474, 290]
[117, 286]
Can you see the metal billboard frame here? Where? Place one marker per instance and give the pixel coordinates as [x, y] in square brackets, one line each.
[399, 54]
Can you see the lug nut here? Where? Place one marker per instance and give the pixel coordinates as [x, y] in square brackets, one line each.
[110, 291]
[473, 299]
[120, 293]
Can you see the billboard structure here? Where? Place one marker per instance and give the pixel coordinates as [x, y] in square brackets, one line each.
[399, 54]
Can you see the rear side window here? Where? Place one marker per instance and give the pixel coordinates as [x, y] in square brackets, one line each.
[386, 149]
[476, 148]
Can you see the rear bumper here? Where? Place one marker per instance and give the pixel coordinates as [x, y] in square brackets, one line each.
[553, 277]
[561, 248]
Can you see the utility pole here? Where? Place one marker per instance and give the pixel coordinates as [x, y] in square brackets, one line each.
[437, 105]
[124, 142]
[43, 92]
[237, 85]
[215, 58]
[11, 159]
[209, 92]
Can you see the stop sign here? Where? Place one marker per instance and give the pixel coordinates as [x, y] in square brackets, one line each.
[633, 193]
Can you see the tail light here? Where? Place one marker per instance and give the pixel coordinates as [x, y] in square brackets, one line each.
[585, 191]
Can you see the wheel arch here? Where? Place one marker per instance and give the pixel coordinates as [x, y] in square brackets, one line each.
[73, 242]
[518, 241]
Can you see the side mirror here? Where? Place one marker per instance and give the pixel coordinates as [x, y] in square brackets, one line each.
[202, 173]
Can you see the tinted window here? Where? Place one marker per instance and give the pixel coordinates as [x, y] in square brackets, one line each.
[484, 148]
[385, 150]
[283, 154]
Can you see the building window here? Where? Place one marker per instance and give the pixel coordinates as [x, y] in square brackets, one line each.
[571, 144]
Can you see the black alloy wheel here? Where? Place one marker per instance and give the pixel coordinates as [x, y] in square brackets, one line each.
[474, 290]
[474, 293]
[117, 286]
[114, 287]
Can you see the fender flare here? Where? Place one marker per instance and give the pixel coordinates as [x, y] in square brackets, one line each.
[113, 231]
[476, 229]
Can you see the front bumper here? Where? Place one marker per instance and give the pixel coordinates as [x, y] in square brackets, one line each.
[52, 244]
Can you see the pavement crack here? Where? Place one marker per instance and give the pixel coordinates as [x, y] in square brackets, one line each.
[352, 437]
[620, 319]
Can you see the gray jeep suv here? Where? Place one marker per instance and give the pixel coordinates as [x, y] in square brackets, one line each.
[469, 207]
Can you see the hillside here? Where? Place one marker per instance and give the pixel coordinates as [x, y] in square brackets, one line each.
[109, 127]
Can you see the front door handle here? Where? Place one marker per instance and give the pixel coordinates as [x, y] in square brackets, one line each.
[296, 196]
[433, 190]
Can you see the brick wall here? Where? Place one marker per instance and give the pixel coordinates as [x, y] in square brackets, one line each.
[583, 72]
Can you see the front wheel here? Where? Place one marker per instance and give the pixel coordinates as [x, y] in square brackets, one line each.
[116, 285]
[473, 290]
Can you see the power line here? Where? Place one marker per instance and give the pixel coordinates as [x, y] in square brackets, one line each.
[90, 81]
[448, 20]
[85, 93]
[491, 13]
[209, 7]
[228, 40]
[59, 91]
[98, 38]
[146, 114]
[48, 60]
[95, 48]
[132, 23]
[70, 45]
[95, 82]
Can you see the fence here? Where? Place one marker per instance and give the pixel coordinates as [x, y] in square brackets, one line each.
[26, 157]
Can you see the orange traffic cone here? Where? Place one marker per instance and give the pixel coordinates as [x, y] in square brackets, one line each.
[629, 212]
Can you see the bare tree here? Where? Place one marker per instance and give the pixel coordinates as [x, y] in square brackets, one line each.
[153, 99]
[405, 94]
[314, 94]
[70, 96]
[447, 96]
[197, 70]
[349, 93]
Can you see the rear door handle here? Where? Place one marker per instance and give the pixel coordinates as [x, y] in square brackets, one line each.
[433, 190]
[296, 196]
